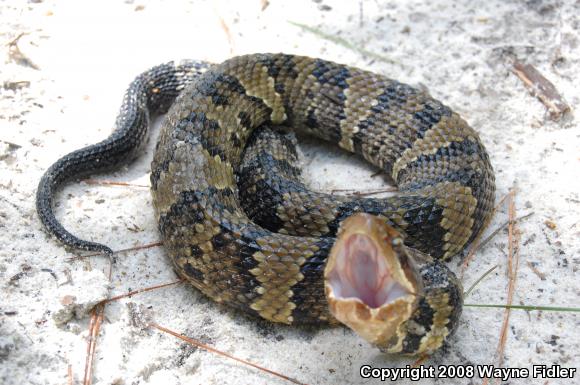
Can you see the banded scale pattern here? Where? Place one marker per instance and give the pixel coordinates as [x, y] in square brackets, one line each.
[200, 151]
[438, 162]
[274, 196]
[268, 180]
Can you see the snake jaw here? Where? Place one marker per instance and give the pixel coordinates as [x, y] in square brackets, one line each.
[370, 282]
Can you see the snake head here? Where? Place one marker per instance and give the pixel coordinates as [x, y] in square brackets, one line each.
[371, 283]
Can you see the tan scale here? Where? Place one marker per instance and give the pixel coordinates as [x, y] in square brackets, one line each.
[457, 215]
[222, 173]
[304, 222]
[358, 99]
[257, 82]
[180, 175]
[298, 87]
[439, 328]
[277, 271]
[448, 129]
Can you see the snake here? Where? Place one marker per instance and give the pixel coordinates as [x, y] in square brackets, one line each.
[239, 224]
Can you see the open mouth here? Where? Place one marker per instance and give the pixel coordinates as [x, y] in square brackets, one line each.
[371, 283]
[361, 272]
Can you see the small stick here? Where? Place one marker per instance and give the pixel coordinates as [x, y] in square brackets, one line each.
[14, 41]
[225, 28]
[512, 268]
[541, 88]
[466, 294]
[110, 183]
[374, 192]
[364, 192]
[69, 374]
[513, 265]
[503, 225]
[228, 34]
[540, 275]
[94, 328]
[95, 324]
[219, 352]
[146, 246]
[15, 54]
[139, 291]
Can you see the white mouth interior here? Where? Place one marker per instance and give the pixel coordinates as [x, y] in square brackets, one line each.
[360, 272]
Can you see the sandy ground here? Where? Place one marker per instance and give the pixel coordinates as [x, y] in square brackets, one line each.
[62, 93]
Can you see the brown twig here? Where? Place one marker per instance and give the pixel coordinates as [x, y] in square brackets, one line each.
[110, 183]
[540, 275]
[69, 375]
[361, 193]
[225, 28]
[512, 269]
[513, 265]
[482, 244]
[481, 278]
[14, 41]
[94, 328]
[219, 352]
[146, 246]
[503, 226]
[139, 291]
[228, 34]
[17, 55]
[98, 313]
[541, 88]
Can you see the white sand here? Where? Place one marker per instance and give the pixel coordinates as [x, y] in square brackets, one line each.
[88, 51]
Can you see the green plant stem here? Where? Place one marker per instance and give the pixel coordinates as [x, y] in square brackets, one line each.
[525, 307]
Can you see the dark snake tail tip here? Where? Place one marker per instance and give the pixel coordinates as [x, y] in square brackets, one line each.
[53, 227]
[152, 91]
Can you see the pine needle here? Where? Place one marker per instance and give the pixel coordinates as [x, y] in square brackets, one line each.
[512, 269]
[466, 294]
[94, 329]
[343, 42]
[111, 183]
[139, 291]
[219, 352]
[141, 247]
[524, 307]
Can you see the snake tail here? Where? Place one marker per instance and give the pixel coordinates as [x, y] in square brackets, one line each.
[152, 92]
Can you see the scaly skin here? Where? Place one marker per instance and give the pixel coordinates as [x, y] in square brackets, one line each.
[444, 177]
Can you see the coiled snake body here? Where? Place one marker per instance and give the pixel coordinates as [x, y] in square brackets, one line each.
[263, 248]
